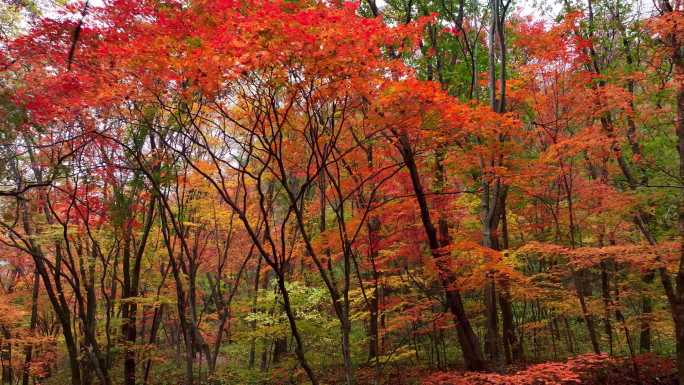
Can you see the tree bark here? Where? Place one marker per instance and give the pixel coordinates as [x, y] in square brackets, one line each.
[28, 351]
[470, 346]
[131, 275]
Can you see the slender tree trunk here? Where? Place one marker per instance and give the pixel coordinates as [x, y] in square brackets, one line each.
[570, 336]
[492, 333]
[373, 329]
[130, 292]
[512, 349]
[493, 198]
[470, 346]
[156, 322]
[645, 322]
[621, 319]
[299, 344]
[180, 298]
[252, 343]
[578, 276]
[128, 321]
[605, 290]
[490, 201]
[6, 356]
[580, 289]
[346, 352]
[28, 351]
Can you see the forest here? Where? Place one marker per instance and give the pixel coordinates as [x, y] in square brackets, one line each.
[333, 192]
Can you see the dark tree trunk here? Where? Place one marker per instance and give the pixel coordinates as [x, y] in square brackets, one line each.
[129, 309]
[470, 346]
[299, 344]
[605, 291]
[492, 332]
[580, 288]
[28, 351]
[374, 301]
[252, 343]
[6, 356]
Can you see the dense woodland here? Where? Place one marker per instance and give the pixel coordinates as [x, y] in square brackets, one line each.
[435, 192]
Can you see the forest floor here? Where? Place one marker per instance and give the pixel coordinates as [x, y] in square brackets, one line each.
[645, 369]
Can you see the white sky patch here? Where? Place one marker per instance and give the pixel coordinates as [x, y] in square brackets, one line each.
[539, 9]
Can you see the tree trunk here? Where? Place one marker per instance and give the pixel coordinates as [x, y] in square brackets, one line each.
[28, 352]
[373, 330]
[645, 323]
[6, 357]
[470, 346]
[374, 302]
[605, 291]
[252, 343]
[299, 345]
[346, 353]
[512, 348]
[131, 275]
[156, 321]
[492, 332]
[588, 318]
